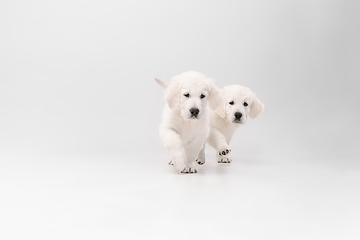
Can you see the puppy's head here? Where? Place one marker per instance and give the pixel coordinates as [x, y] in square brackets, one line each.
[241, 102]
[190, 92]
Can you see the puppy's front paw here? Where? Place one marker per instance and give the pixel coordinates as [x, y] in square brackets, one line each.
[200, 161]
[171, 162]
[224, 160]
[189, 170]
[224, 151]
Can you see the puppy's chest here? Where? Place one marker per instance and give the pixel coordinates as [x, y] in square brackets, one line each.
[194, 133]
[228, 132]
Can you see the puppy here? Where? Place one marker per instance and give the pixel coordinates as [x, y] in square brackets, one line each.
[186, 117]
[239, 103]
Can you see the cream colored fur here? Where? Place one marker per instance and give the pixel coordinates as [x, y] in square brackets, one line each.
[223, 129]
[181, 133]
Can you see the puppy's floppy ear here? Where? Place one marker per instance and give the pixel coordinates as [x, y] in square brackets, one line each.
[256, 107]
[216, 101]
[172, 94]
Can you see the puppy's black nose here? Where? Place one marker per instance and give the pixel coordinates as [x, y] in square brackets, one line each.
[238, 115]
[194, 111]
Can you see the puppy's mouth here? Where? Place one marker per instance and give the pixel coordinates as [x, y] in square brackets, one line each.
[238, 121]
[194, 118]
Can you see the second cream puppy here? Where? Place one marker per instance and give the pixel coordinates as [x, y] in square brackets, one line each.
[239, 103]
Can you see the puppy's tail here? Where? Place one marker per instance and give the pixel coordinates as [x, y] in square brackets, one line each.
[161, 83]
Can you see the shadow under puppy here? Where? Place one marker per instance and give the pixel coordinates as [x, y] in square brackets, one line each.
[186, 117]
[239, 103]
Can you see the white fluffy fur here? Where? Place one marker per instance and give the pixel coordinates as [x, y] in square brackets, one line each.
[183, 135]
[222, 129]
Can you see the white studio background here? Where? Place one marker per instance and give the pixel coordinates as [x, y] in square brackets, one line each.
[77, 81]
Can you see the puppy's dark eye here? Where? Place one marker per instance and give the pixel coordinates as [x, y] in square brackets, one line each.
[245, 104]
[231, 103]
[202, 96]
[187, 95]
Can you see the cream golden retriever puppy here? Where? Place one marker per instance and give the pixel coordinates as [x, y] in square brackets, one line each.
[239, 103]
[186, 117]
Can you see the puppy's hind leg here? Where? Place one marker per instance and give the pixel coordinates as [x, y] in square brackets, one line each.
[201, 158]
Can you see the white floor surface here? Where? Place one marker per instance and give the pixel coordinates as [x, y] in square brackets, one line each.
[139, 196]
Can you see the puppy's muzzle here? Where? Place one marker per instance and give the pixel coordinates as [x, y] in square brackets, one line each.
[194, 112]
[238, 116]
